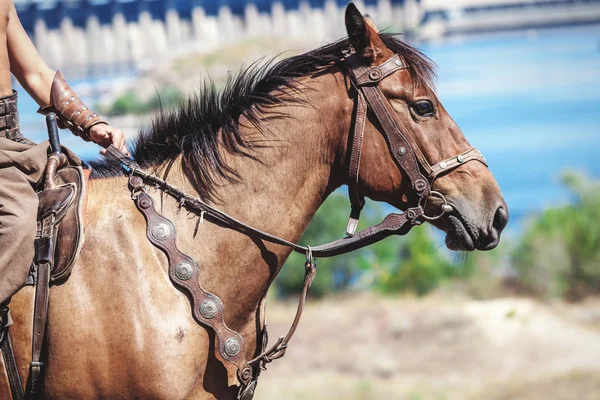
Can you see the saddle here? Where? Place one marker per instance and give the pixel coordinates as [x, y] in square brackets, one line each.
[63, 207]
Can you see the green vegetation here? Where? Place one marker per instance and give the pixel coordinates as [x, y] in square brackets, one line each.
[558, 255]
[131, 103]
[336, 273]
[410, 263]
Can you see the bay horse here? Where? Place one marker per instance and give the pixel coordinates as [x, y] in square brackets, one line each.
[268, 149]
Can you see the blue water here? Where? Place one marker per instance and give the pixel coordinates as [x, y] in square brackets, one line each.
[530, 101]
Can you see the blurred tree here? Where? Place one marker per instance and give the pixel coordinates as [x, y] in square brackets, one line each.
[410, 263]
[559, 254]
[418, 265]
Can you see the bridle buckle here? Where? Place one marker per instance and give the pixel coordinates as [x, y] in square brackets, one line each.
[444, 207]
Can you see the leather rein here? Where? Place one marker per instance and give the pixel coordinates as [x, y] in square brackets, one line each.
[207, 308]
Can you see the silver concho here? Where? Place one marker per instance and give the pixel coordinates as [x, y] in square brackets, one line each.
[161, 231]
[184, 270]
[460, 158]
[232, 347]
[208, 309]
[443, 165]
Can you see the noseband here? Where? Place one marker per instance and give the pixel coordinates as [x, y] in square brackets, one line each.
[404, 150]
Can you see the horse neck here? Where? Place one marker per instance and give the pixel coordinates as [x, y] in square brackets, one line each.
[299, 167]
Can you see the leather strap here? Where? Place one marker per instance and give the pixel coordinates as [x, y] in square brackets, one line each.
[9, 121]
[403, 149]
[184, 272]
[39, 326]
[9, 118]
[391, 225]
[357, 201]
[8, 355]
[279, 348]
[374, 75]
[44, 256]
[12, 371]
[453, 162]
[12, 134]
[8, 104]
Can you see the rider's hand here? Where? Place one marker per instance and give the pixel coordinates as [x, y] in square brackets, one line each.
[105, 135]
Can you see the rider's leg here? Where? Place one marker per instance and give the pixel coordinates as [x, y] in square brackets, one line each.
[18, 211]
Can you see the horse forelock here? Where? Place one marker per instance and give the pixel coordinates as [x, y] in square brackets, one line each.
[207, 123]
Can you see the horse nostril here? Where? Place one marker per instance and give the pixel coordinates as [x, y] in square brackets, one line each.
[500, 219]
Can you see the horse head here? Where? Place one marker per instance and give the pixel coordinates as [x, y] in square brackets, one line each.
[477, 213]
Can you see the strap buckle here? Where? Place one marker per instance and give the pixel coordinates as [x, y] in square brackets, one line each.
[353, 219]
[444, 207]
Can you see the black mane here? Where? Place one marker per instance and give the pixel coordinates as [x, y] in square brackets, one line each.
[209, 119]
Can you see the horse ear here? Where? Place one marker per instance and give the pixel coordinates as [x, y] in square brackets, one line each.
[364, 36]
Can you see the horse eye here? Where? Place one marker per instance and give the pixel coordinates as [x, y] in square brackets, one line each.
[424, 108]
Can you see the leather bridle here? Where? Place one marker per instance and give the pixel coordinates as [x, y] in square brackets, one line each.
[207, 308]
[404, 150]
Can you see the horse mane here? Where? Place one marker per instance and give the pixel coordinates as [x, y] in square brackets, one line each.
[207, 123]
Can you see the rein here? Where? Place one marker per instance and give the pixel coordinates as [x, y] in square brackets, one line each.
[207, 308]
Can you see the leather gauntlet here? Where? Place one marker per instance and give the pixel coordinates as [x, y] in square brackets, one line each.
[71, 112]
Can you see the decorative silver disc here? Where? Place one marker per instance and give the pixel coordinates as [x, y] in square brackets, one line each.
[232, 347]
[161, 231]
[443, 165]
[208, 309]
[460, 158]
[184, 270]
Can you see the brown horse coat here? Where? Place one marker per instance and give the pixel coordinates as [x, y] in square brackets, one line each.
[118, 328]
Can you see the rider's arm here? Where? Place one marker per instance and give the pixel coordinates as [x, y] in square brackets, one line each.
[51, 91]
[25, 62]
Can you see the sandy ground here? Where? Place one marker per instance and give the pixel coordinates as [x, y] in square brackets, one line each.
[442, 347]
